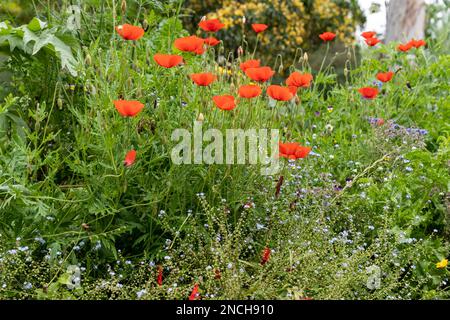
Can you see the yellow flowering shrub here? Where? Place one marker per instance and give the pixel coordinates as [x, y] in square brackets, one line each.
[293, 24]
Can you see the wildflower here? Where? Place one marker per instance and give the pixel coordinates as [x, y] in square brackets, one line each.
[129, 158]
[159, 279]
[128, 108]
[259, 27]
[417, 43]
[369, 92]
[27, 285]
[130, 32]
[212, 25]
[190, 44]
[327, 36]
[385, 77]
[249, 91]
[265, 255]
[141, 293]
[293, 150]
[203, 79]
[296, 79]
[168, 60]
[211, 41]
[368, 34]
[225, 102]
[249, 64]
[329, 127]
[194, 294]
[261, 74]
[404, 47]
[372, 42]
[200, 117]
[442, 264]
[279, 93]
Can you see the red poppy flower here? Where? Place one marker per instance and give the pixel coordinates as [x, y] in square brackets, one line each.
[203, 79]
[368, 34]
[417, 43]
[369, 92]
[249, 91]
[130, 32]
[302, 152]
[129, 158]
[261, 74]
[292, 150]
[194, 293]
[225, 102]
[296, 79]
[128, 108]
[159, 279]
[211, 41]
[249, 64]
[279, 93]
[168, 60]
[212, 25]
[259, 27]
[190, 44]
[265, 255]
[385, 77]
[380, 121]
[404, 47]
[371, 42]
[327, 36]
[293, 89]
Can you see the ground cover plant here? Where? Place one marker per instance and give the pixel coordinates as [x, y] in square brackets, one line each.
[92, 205]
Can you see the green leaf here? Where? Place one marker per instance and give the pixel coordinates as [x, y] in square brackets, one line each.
[36, 24]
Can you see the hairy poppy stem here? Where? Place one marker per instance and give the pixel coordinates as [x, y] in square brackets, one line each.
[325, 57]
[256, 45]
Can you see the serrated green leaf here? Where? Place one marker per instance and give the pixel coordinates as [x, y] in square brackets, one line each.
[36, 24]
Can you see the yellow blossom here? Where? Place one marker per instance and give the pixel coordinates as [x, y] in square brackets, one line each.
[442, 264]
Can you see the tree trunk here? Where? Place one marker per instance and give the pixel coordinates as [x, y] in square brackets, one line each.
[405, 20]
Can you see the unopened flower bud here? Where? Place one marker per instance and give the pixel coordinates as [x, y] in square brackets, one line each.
[123, 6]
[305, 57]
[59, 102]
[244, 20]
[240, 51]
[145, 24]
[88, 59]
[345, 72]
[201, 117]
[280, 68]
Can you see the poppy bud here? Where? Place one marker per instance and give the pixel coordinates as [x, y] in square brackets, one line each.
[345, 72]
[88, 59]
[93, 89]
[59, 102]
[305, 57]
[201, 117]
[124, 6]
[130, 82]
[244, 20]
[280, 68]
[240, 51]
[145, 25]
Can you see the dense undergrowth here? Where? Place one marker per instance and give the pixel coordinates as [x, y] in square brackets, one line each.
[364, 216]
